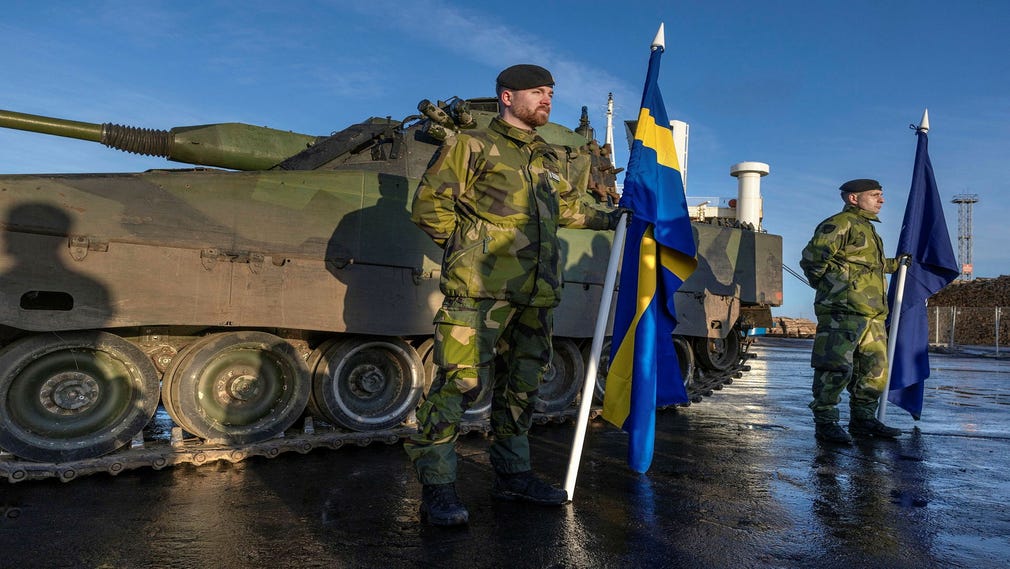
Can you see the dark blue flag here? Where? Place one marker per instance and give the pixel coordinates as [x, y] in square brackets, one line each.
[923, 235]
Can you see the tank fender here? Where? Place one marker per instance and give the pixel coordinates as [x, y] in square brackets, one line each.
[705, 315]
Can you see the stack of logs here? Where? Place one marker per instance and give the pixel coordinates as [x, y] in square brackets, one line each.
[792, 327]
[978, 293]
[970, 306]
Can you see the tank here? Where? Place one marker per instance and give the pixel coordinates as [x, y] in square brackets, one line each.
[274, 295]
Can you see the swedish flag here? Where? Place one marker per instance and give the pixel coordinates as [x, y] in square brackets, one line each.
[659, 255]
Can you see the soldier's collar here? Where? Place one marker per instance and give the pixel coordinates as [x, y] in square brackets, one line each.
[515, 133]
[862, 212]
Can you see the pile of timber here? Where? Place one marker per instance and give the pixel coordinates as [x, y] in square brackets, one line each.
[969, 307]
[792, 327]
[977, 293]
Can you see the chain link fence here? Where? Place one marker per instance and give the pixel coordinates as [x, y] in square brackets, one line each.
[955, 326]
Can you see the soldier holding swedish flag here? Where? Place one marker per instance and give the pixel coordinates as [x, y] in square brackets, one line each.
[493, 199]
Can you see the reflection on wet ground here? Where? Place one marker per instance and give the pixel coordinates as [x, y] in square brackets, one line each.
[737, 481]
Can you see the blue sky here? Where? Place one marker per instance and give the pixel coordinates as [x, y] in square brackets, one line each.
[821, 91]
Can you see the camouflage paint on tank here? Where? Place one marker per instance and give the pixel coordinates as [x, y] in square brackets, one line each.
[736, 268]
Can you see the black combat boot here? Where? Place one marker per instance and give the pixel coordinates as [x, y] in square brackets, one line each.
[526, 487]
[831, 433]
[440, 506]
[872, 428]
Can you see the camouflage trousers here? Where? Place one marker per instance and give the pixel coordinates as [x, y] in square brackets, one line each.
[850, 352]
[482, 344]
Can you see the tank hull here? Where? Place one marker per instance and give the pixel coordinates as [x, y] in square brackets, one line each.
[329, 251]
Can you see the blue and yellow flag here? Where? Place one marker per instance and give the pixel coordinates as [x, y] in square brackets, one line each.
[659, 254]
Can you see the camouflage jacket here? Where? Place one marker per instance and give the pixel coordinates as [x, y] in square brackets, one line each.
[844, 262]
[493, 199]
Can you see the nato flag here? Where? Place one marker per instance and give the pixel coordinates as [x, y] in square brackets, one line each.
[924, 236]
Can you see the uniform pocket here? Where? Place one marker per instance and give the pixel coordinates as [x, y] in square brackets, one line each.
[835, 342]
[468, 240]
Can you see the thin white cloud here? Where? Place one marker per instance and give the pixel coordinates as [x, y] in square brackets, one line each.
[480, 37]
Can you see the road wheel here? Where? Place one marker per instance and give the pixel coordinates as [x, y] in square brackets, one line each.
[718, 354]
[424, 350]
[563, 379]
[312, 363]
[237, 387]
[368, 384]
[686, 359]
[74, 395]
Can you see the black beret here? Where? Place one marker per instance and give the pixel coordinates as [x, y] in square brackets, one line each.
[860, 185]
[525, 76]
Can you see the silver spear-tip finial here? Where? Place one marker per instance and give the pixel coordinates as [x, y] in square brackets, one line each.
[660, 41]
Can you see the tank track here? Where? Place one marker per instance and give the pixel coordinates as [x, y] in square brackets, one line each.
[153, 449]
[707, 382]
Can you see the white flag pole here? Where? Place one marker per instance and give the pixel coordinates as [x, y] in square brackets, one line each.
[899, 293]
[892, 339]
[659, 42]
[594, 354]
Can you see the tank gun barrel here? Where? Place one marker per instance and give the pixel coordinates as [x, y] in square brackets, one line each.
[236, 146]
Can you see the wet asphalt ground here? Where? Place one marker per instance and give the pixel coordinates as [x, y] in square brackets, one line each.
[737, 481]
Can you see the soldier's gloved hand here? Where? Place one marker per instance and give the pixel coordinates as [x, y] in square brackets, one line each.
[905, 259]
[615, 216]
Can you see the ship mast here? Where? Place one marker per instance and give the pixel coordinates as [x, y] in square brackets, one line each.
[610, 128]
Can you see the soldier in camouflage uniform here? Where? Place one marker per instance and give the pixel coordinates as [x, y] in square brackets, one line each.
[494, 199]
[844, 262]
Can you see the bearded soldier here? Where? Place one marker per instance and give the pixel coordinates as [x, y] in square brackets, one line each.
[844, 262]
[494, 199]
